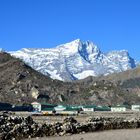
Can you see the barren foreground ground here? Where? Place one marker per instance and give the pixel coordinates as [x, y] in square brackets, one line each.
[129, 134]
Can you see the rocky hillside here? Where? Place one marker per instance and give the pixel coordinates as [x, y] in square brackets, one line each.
[116, 88]
[21, 84]
[75, 60]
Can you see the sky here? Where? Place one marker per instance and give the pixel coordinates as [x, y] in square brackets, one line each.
[110, 24]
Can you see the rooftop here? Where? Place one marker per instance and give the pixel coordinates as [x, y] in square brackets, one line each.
[47, 109]
[71, 109]
[89, 106]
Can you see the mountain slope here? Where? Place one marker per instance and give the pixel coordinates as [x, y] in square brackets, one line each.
[21, 84]
[118, 88]
[75, 60]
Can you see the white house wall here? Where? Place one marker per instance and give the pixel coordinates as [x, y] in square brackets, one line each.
[118, 109]
[37, 106]
[135, 107]
[88, 109]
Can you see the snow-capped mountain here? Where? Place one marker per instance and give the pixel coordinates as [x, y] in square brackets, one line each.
[1, 50]
[75, 60]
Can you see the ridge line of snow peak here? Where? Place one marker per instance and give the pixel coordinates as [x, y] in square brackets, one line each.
[75, 60]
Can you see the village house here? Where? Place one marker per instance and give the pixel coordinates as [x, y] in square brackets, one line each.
[46, 109]
[71, 111]
[88, 108]
[36, 106]
[40, 106]
[59, 109]
[135, 107]
[120, 108]
[102, 108]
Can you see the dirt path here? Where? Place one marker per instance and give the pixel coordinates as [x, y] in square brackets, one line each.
[128, 134]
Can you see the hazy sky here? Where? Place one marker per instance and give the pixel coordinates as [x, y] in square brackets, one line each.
[111, 24]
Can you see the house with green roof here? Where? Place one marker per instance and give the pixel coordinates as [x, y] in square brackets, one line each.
[76, 106]
[40, 106]
[59, 109]
[36, 106]
[102, 108]
[89, 108]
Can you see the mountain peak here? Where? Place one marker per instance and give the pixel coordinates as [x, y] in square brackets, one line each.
[1, 50]
[77, 40]
[70, 48]
[76, 60]
[89, 51]
[83, 47]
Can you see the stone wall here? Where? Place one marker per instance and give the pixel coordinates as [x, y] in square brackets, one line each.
[17, 127]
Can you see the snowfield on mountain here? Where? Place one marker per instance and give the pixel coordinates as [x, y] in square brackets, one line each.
[75, 60]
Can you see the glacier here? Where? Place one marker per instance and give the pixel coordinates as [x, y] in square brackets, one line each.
[75, 60]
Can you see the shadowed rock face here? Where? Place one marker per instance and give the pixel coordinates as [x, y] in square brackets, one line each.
[20, 84]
